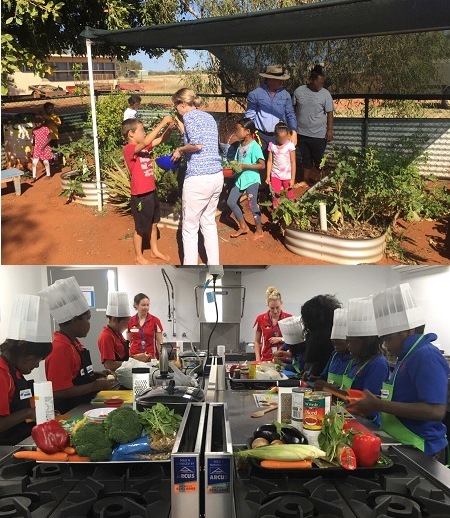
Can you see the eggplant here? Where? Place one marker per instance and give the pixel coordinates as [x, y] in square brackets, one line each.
[292, 436]
[267, 431]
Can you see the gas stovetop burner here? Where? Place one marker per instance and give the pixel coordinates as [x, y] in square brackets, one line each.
[399, 492]
[30, 490]
[290, 506]
[395, 506]
[17, 506]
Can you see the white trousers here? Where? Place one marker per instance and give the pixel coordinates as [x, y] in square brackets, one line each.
[200, 198]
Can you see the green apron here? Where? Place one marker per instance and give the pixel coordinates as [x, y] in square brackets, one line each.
[389, 423]
[334, 379]
[296, 366]
[347, 382]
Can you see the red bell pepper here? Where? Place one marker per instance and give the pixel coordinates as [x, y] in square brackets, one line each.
[355, 426]
[346, 457]
[367, 448]
[50, 437]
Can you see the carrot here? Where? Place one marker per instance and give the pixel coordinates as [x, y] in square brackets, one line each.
[78, 458]
[70, 450]
[41, 456]
[280, 464]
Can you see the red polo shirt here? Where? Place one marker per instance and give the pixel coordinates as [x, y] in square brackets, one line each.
[146, 333]
[264, 325]
[7, 387]
[63, 364]
[110, 344]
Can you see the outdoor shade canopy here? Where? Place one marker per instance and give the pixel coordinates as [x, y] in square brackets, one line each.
[328, 20]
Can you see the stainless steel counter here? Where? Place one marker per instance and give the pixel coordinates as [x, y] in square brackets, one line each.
[241, 405]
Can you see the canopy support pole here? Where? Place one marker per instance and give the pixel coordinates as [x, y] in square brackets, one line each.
[94, 126]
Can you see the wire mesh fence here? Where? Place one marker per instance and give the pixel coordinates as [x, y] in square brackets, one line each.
[74, 110]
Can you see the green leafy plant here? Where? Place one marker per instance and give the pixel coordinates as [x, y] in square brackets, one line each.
[75, 185]
[117, 178]
[291, 212]
[368, 190]
[109, 110]
[79, 154]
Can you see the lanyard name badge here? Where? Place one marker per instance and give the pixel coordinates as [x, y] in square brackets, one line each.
[142, 332]
[275, 333]
[25, 394]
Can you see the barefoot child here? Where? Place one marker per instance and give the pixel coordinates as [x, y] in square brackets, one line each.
[144, 200]
[41, 148]
[281, 165]
[251, 160]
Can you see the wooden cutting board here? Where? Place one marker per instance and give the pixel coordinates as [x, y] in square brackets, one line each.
[126, 395]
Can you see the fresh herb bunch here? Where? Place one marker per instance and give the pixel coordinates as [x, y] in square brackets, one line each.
[160, 420]
[332, 434]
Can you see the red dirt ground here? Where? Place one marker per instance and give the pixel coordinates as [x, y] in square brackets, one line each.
[39, 228]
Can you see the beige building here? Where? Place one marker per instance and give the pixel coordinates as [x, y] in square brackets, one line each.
[66, 71]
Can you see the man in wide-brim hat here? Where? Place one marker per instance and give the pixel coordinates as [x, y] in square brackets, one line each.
[271, 103]
[267, 105]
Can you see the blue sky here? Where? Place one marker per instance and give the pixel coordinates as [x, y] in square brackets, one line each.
[162, 64]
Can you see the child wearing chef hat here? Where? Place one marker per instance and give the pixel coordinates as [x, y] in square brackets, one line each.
[291, 355]
[339, 359]
[368, 368]
[414, 399]
[28, 343]
[69, 366]
[114, 349]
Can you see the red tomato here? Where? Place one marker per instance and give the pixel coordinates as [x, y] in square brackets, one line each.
[367, 449]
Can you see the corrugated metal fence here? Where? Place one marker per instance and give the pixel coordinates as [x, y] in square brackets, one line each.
[384, 132]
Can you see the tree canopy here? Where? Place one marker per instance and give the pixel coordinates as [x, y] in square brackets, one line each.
[32, 30]
[404, 63]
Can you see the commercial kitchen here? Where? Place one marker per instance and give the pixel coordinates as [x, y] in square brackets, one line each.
[218, 422]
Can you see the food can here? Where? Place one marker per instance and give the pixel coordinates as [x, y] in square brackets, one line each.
[252, 370]
[298, 395]
[315, 406]
[244, 373]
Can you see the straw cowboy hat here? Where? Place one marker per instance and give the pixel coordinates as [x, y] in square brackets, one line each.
[275, 72]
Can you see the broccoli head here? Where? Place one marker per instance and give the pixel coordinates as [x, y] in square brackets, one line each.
[92, 441]
[123, 425]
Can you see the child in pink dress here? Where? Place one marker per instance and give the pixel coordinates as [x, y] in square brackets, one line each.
[281, 165]
[41, 148]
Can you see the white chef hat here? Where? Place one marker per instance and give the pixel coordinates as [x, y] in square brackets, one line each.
[65, 300]
[30, 319]
[361, 317]
[339, 330]
[396, 310]
[118, 304]
[292, 330]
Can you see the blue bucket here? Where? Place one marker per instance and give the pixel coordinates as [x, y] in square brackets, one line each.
[165, 162]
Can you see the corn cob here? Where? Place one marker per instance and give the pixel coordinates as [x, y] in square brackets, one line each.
[284, 452]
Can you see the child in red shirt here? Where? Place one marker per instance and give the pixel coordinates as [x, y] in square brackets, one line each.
[144, 200]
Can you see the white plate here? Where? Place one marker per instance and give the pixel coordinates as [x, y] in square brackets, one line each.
[98, 414]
